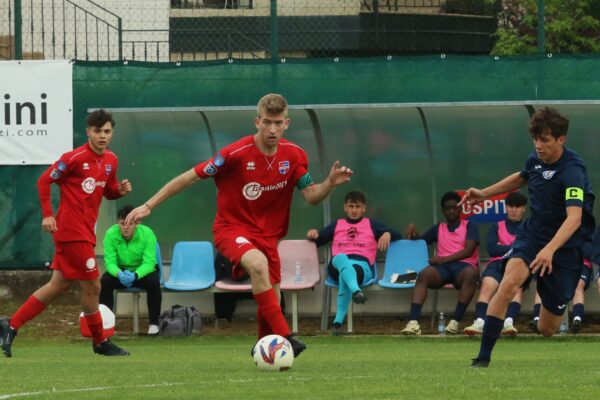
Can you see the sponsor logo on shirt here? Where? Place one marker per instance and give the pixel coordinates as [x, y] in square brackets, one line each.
[90, 184]
[251, 166]
[210, 169]
[352, 232]
[86, 165]
[253, 190]
[62, 166]
[548, 174]
[219, 160]
[537, 167]
[107, 169]
[284, 167]
[55, 174]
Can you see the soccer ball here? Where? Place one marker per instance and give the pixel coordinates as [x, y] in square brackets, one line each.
[108, 322]
[273, 353]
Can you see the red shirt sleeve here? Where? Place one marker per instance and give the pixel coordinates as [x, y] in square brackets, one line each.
[302, 168]
[214, 165]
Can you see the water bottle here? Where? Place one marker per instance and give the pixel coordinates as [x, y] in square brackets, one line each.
[298, 274]
[563, 327]
[442, 325]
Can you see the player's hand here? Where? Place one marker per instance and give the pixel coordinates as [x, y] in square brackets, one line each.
[384, 241]
[137, 214]
[542, 262]
[312, 234]
[436, 260]
[124, 187]
[411, 232]
[49, 224]
[339, 174]
[472, 196]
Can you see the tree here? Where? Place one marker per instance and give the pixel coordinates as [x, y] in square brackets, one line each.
[571, 26]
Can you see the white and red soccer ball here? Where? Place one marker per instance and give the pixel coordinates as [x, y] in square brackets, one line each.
[108, 323]
[273, 353]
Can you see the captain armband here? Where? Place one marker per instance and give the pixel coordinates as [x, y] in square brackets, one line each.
[574, 193]
[305, 181]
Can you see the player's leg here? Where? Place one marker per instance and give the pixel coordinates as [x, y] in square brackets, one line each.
[429, 277]
[537, 308]
[151, 284]
[352, 273]
[89, 295]
[578, 306]
[515, 275]
[343, 300]
[35, 305]
[489, 285]
[108, 284]
[465, 278]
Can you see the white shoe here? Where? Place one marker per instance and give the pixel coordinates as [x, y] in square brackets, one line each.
[452, 327]
[509, 330]
[412, 328]
[474, 329]
[153, 330]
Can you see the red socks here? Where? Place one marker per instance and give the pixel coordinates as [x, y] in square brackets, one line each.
[263, 327]
[28, 311]
[94, 322]
[269, 314]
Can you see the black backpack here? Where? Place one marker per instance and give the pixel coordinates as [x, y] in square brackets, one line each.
[180, 321]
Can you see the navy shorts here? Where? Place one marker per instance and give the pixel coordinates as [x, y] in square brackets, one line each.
[494, 270]
[557, 288]
[450, 271]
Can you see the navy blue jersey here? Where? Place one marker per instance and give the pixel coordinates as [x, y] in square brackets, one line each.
[552, 188]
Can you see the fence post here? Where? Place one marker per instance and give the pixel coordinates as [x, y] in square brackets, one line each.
[18, 31]
[541, 45]
[274, 31]
[120, 33]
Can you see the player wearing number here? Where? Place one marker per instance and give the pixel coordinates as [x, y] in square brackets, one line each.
[548, 244]
[255, 179]
[84, 176]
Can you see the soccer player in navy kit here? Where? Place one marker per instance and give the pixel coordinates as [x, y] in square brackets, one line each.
[548, 244]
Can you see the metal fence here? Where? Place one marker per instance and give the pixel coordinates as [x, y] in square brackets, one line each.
[204, 30]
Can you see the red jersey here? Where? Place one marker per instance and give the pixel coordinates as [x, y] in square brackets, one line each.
[254, 191]
[83, 177]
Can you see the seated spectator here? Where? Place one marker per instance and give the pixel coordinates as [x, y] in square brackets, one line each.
[130, 260]
[456, 262]
[499, 239]
[354, 248]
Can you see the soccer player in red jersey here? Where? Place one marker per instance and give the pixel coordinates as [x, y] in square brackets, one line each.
[255, 178]
[84, 175]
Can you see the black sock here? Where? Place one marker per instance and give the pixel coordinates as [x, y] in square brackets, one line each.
[491, 332]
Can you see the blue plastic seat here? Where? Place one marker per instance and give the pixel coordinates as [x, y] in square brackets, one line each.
[402, 257]
[192, 267]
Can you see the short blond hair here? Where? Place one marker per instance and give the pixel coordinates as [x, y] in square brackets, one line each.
[272, 103]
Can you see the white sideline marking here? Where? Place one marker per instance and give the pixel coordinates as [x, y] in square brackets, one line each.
[102, 388]
[91, 389]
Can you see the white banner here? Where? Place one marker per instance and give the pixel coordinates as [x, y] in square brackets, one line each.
[36, 102]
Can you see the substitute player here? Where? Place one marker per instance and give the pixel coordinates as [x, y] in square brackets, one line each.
[548, 244]
[83, 175]
[255, 179]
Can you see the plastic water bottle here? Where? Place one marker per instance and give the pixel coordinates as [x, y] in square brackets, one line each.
[441, 325]
[563, 327]
[298, 274]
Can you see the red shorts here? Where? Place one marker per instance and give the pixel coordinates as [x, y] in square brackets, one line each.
[234, 243]
[76, 260]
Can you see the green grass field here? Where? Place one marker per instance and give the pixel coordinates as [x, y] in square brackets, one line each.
[371, 367]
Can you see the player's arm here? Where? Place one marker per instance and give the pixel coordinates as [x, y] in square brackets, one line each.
[315, 193]
[54, 174]
[173, 187]
[543, 260]
[148, 257]
[110, 254]
[475, 196]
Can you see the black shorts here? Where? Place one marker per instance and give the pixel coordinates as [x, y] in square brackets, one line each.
[557, 288]
[494, 270]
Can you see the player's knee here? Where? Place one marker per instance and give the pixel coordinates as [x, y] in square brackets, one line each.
[339, 261]
[258, 270]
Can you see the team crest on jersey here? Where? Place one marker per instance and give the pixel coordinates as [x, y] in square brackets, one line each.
[251, 166]
[210, 169]
[548, 174]
[90, 264]
[219, 160]
[107, 169]
[284, 167]
[86, 165]
[55, 174]
[62, 166]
